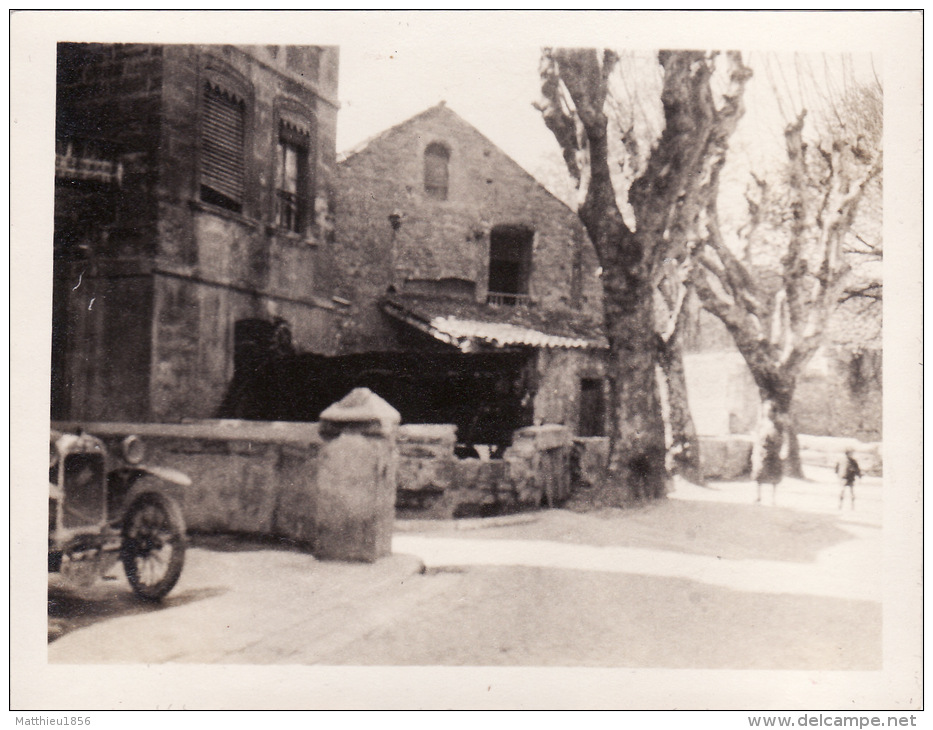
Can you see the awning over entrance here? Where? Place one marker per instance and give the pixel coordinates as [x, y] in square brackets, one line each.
[473, 328]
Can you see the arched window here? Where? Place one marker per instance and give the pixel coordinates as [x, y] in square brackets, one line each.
[436, 161]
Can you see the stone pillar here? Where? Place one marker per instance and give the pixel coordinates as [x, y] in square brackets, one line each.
[355, 503]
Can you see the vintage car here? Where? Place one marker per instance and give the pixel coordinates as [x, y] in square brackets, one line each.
[105, 505]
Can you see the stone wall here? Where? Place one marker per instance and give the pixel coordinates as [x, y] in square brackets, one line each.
[433, 482]
[827, 451]
[247, 477]
[589, 462]
[723, 397]
[559, 376]
[840, 394]
[165, 273]
[391, 231]
[330, 486]
[726, 457]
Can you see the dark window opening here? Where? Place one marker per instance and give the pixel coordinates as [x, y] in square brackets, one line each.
[509, 264]
[436, 171]
[592, 408]
[222, 149]
[292, 180]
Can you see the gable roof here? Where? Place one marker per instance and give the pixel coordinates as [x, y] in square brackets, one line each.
[365, 144]
[440, 108]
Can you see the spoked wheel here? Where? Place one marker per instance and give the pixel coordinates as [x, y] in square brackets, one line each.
[153, 549]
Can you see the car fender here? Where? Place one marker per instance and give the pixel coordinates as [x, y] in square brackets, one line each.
[166, 474]
[127, 484]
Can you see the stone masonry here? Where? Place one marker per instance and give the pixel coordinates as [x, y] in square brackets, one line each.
[150, 276]
[434, 240]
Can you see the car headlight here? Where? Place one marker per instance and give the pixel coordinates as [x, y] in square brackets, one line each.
[133, 449]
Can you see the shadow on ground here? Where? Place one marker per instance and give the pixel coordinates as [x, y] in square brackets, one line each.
[71, 609]
[242, 543]
[717, 529]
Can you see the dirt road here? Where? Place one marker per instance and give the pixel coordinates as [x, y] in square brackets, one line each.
[702, 580]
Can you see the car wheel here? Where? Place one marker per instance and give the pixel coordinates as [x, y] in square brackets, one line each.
[153, 549]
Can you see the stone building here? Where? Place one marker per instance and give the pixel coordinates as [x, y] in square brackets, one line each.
[213, 259]
[839, 392]
[193, 221]
[480, 288]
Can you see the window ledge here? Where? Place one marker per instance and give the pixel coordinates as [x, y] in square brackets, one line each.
[290, 237]
[202, 207]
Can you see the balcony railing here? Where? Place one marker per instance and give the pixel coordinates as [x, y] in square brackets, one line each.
[70, 167]
[509, 300]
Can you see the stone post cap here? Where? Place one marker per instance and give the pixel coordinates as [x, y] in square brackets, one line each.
[362, 407]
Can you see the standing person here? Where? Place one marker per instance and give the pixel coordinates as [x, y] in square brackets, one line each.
[768, 454]
[848, 471]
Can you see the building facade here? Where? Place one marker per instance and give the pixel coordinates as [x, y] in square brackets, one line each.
[446, 245]
[193, 220]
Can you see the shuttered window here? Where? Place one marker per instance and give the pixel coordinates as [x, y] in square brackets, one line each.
[222, 149]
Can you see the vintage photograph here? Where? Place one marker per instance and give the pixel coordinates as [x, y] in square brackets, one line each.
[523, 370]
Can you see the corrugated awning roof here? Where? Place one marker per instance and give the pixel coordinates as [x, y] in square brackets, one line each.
[472, 333]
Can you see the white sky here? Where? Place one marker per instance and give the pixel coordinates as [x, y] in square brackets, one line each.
[491, 88]
[485, 65]
[384, 81]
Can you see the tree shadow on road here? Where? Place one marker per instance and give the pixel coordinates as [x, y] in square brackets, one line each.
[717, 529]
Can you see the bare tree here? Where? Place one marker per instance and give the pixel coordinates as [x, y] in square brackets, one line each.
[575, 85]
[777, 311]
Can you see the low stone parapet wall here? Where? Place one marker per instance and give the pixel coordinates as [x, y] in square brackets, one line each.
[729, 457]
[426, 469]
[434, 483]
[247, 476]
[328, 485]
[336, 485]
[826, 451]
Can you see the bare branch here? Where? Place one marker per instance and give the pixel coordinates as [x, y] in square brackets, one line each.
[794, 265]
[871, 291]
[556, 116]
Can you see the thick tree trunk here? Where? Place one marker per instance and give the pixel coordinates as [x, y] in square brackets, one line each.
[575, 85]
[636, 461]
[683, 443]
[792, 464]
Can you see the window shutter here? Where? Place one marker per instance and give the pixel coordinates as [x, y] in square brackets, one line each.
[222, 135]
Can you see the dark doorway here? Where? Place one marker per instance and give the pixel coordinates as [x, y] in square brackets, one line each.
[592, 408]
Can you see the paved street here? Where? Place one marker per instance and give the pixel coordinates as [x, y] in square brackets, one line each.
[703, 580]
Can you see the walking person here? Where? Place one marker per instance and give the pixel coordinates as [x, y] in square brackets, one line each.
[848, 471]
